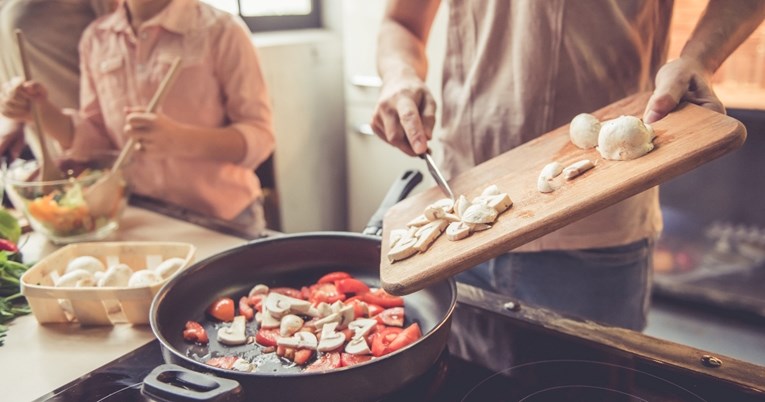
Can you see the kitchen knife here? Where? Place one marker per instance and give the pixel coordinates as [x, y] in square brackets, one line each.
[437, 176]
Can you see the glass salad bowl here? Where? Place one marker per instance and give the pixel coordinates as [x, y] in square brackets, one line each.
[85, 206]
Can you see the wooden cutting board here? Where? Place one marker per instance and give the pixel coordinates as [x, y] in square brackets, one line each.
[685, 139]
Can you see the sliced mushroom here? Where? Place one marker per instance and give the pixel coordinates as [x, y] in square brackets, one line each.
[396, 235]
[346, 316]
[361, 327]
[418, 221]
[336, 306]
[330, 340]
[358, 346]
[427, 234]
[86, 262]
[433, 213]
[491, 190]
[279, 305]
[233, 334]
[324, 309]
[479, 213]
[301, 339]
[577, 168]
[333, 318]
[457, 231]
[445, 203]
[461, 205]
[500, 202]
[404, 249]
[259, 289]
[290, 324]
[478, 227]
[267, 321]
[549, 172]
[242, 365]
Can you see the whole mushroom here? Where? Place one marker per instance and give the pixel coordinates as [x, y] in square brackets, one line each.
[625, 138]
[584, 130]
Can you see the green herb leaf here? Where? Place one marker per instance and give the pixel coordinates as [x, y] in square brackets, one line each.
[9, 226]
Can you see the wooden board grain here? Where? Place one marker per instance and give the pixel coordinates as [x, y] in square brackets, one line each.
[685, 139]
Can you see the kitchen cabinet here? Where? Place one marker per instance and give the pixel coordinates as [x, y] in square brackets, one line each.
[373, 165]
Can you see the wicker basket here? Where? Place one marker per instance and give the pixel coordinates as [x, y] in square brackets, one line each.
[92, 305]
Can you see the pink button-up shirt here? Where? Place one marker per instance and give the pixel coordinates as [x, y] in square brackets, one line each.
[219, 84]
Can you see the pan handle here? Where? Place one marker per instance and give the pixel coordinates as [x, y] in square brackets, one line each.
[170, 382]
[397, 192]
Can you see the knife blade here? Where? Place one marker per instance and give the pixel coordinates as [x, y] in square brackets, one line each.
[437, 176]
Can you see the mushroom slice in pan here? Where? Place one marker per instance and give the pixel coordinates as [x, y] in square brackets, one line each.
[233, 334]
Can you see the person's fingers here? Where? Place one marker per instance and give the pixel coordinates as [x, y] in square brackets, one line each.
[409, 116]
[428, 114]
[704, 96]
[394, 132]
[141, 120]
[665, 98]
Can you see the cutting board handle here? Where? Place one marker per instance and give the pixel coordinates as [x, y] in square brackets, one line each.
[397, 192]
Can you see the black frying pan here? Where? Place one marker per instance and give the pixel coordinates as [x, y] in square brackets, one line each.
[295, 261]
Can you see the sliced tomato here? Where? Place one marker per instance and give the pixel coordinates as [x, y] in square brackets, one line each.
[405, 337]
[195, 332]
[392, 317]
[245, 309]
[347, 359]
[327, 361]
[325, 292]
[291, 292]
[267, 337]
[382, 338]
[302, 356]
[351, 285]
[374, 309]
[383, 299]
[222, 309]
[333, 276]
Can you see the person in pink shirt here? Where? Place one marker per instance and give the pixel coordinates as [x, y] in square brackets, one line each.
[199, 150]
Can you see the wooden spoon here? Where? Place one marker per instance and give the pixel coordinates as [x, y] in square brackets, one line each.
[101, 196]
[48, 169]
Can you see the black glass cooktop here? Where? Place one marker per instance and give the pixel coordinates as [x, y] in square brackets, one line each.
[502, 351]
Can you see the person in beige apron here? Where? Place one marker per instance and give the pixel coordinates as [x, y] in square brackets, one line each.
[52, 30]
[514, 70]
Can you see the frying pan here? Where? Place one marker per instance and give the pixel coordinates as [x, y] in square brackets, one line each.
[295, 261]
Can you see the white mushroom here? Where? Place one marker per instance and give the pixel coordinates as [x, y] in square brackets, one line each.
[233, 334]
[279, 305]
[346, 316]
[461, 205]
[116, 276]
[330, 340]
[324, 309]
[267, 321]
[427, 234]
[418, 221]
[479, 213]
[259, 289]
[301, 339]
[242, 365]
[361, 327]
[478, 227]
[169, 267]
[358, 346]
[72, 278]
[500, 202]
[433, 213]
[583, 130]
[575, 169]
[396, 235]
[290, 324]
[333, 318]
[445, 203]
[143, 277]
[624, 138]
[491, 190]
[457, 231]
[403, 249]
[549, 172]
[86, 262]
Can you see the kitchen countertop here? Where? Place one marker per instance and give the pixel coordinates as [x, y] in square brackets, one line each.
[44, 357]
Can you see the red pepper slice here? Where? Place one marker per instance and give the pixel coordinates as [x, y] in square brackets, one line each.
[382, 298]
[9, 246]
[351, 285]
[291, 292]
[333, 276]
[267, 337]
[382, 339]
[347, 359]
[406, 337]
[324, 292]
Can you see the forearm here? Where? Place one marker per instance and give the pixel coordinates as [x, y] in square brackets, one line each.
[402, 38]
[225, 144]
[724, 25]
[55, 123]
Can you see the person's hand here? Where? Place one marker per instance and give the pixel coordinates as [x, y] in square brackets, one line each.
[156, 133]
[405, 115]
[681, 80]
[17, 97]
